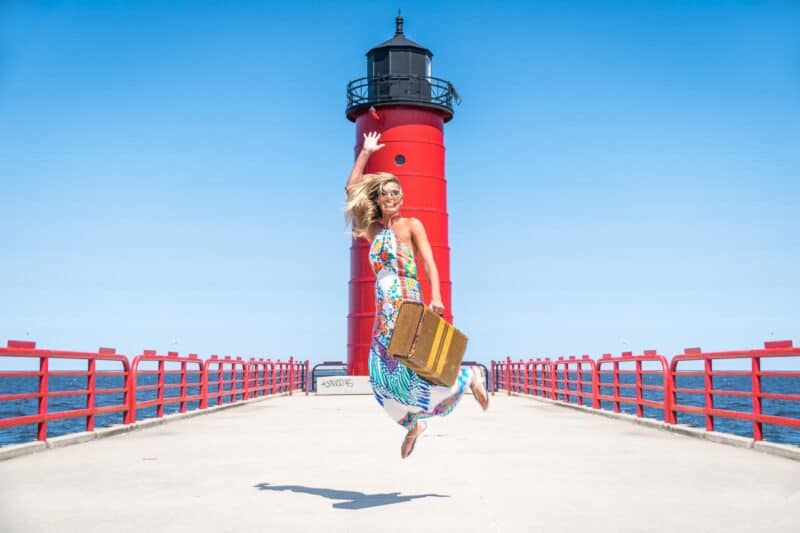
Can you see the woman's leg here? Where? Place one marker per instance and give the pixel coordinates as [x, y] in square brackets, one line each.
[479, 388]
[410, 440]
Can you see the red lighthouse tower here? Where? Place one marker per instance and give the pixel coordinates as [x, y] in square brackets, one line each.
[400, 99]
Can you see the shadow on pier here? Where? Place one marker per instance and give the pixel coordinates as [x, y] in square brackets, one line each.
[352, 499]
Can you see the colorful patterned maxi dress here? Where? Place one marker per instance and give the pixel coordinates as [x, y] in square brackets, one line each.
[404, 395]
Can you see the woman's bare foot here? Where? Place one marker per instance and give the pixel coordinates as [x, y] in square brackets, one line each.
[411, 439]
[478, 388]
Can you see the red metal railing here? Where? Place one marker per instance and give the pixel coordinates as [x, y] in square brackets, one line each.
[775, 349]
[501, 375]
[228, 377]
[150, 381]
[167, 390]
[290, 376]
[259, 376]
[539, 377]
[649, 381]
[620, 369]
[280, 378]
[517, 379]
[534, 376]
[44, 392]
[570, 390]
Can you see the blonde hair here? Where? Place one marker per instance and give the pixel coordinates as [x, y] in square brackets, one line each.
[362, 208]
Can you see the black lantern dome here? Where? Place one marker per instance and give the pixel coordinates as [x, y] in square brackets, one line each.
[399, 72]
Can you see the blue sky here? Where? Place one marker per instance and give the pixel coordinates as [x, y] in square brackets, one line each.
[622, 175]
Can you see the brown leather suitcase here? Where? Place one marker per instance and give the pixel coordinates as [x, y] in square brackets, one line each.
[427, 344]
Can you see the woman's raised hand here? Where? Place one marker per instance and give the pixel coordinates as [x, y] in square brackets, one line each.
[371, 142]
[368, 148]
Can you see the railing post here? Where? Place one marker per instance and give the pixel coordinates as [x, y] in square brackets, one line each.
[539, 378]
[567, 379]
[615, 384]
[132, 390]
[668, 396]
[91, 387]
[248, 387]
[127, 394]
[252, 372]
[263, 388]
[756, 391]
[307, 376]
[259, 377]
[44, 365]
[556, 382]
[232, 396]
[204, 384]
[494, 381]
[263, 377]
[240, 361]
[508, 375]
[708, 382]
[544, 369]
[559, 381]
[673, 385]
[184, 381]
[220, 377]
[525, 381]
[291, 374]
[160, 390]
[639, 396]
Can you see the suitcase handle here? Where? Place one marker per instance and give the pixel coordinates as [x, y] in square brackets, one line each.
[441, 314]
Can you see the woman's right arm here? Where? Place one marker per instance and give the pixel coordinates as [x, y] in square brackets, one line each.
[368, 148]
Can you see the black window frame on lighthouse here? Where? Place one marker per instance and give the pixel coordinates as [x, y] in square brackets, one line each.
[398, 72]
[400, 62]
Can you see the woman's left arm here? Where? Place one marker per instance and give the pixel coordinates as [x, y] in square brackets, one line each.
[420, 239]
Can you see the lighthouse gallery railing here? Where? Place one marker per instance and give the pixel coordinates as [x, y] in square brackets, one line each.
[399, 89]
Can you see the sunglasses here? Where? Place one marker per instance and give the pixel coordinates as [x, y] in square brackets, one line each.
[394, 193]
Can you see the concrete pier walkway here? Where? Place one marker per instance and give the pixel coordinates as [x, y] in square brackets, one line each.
[332, 464]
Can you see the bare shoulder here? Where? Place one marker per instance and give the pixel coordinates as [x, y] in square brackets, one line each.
[408, 225]
[415, 224]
